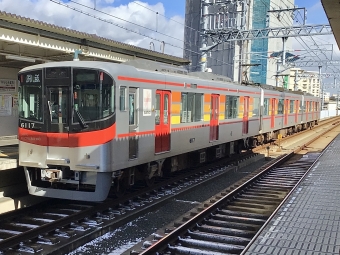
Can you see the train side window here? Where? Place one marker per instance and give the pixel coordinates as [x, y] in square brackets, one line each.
[198, 116]
[184, 109]
[191, 107]
[256, 106]
[132, 105]
[280, 107]
[158, 109]
[266, 106]
[291, 106]
[122, 98]
[301, 108]
[231, 107]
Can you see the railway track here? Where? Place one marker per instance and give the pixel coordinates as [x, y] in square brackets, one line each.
[59, 227]
[228, 225]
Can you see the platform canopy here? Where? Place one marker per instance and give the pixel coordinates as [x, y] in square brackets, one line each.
[332, 9]
[25, 42]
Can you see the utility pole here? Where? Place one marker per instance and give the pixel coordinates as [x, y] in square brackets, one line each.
[205, 12]
[284, 39]
[321, 86]
[295, 80]
[337, 97]
[277, 73]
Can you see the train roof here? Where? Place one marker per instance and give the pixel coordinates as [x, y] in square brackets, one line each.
[159, 67]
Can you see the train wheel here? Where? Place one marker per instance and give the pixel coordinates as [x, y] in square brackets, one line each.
[119, 188]
[255, 142]
[239, 146]
[150, 182]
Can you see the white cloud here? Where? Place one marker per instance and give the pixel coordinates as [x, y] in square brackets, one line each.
[56, 14]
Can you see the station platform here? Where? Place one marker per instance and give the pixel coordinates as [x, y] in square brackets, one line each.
[9, 156]
[309, 220]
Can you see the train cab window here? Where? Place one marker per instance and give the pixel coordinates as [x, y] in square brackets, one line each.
[122, 98]
[231, 107]
[30, 102]
[291, 106]
[266, 107]
[191, 107]
[58, 104]
[93, 94]
[280, 106]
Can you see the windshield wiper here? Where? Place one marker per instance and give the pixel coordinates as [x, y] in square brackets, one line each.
[49, 103]
[81, 120]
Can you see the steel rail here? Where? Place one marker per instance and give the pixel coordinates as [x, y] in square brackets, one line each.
[289, 194]
[173, 236]
[92, 211]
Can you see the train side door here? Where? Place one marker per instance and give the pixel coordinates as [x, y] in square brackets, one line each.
[245, 125]
[286, 111]
[162, 121]
[307, 109]
[272, 116]
[133, 123]
[214, 117]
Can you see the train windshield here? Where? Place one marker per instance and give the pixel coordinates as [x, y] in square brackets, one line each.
[30, 97]
[93, 94]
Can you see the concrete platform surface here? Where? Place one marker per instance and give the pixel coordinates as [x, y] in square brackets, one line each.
[309, 221]
[6, 164]
[9, 156]
[13, 203]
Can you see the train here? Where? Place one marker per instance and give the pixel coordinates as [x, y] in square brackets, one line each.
[87, 128]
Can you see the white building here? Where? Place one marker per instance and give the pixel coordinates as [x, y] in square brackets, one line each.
[309, 84]
[234, 58]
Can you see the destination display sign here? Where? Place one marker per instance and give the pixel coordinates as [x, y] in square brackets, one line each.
[31, 78]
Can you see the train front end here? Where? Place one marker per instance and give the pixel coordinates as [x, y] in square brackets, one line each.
[66, 128]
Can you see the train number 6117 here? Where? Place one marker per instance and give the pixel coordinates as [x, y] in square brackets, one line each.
[27, 125]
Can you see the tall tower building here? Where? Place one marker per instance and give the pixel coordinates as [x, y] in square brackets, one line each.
[220, 59]
[228, 58]
[261, 49]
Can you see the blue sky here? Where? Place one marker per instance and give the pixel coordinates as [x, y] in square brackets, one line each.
[177, 7]
[168, 30]
[135, 24]
[315, 15]
[172, 7]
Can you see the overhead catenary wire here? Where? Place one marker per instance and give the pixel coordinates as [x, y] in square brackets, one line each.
[299, 40]
[122, 27]
[303, 41]
[113, 16]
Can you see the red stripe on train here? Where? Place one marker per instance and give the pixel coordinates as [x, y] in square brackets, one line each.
[68, 140]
